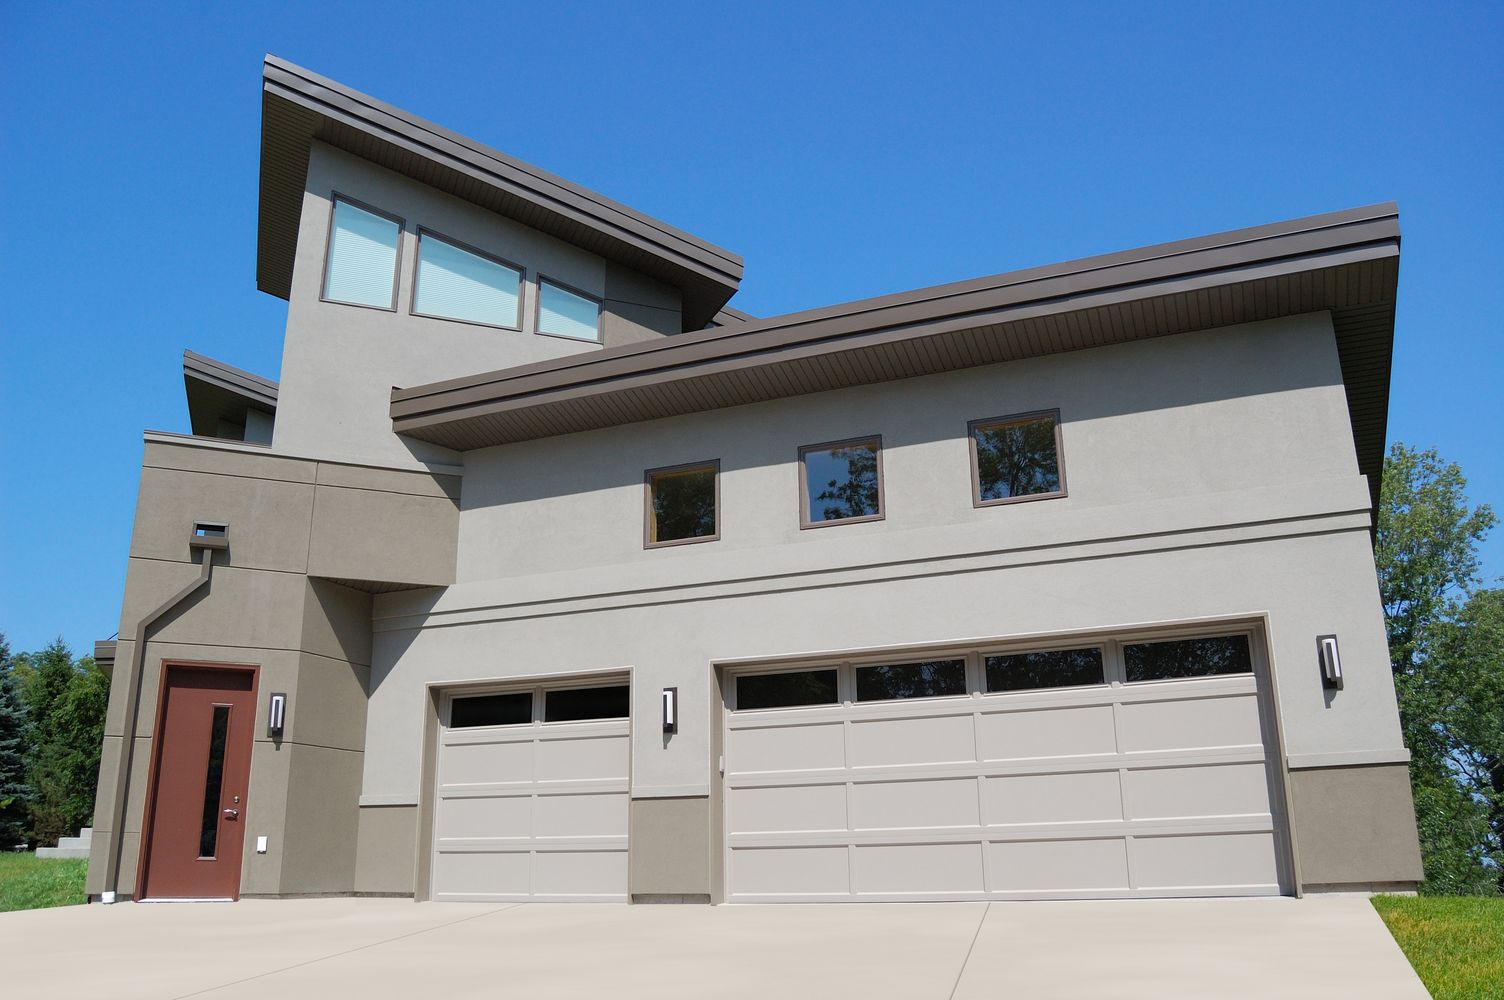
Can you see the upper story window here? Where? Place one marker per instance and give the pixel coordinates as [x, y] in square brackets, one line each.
[568, 312]
[361, 266]
[1016, 458]
[683, 504]
[841, 481]
[458, 282]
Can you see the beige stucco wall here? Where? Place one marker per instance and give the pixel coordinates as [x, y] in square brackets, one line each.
[340, 362]
[1210, 476]
[308, 637]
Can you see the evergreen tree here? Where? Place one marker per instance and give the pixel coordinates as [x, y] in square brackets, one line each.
[15, 794]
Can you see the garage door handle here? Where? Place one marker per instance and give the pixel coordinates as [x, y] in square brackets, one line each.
[232, 814]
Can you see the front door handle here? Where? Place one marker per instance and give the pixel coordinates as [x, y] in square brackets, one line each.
[232, 814]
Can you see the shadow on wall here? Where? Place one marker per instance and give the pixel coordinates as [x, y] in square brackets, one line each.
[1170, 372]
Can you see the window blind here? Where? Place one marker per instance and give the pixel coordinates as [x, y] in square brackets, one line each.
[457, 284]
[362, 266]
[566, 314]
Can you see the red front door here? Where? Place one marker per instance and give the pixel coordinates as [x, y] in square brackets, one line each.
[202, 763]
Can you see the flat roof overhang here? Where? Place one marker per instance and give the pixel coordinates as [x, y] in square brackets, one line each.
[299, 106]
[1343, 262]
[217, 391]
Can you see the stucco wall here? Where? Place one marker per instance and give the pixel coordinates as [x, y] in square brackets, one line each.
[340, 362]
[308, 637]
[1211, 475]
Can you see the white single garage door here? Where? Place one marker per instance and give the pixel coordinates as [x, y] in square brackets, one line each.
[1126, 767]
[530, 800]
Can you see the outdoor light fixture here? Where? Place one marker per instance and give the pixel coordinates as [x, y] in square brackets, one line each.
[276, 713]
[1331, 662]
[671, 710]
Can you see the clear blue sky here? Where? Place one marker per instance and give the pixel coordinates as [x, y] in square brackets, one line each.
[844, 150]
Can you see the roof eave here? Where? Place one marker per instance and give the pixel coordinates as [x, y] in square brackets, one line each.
[299, 107]
[1345, 263]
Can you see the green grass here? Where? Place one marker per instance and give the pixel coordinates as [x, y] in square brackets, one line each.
[1455, 943]
[31, 883]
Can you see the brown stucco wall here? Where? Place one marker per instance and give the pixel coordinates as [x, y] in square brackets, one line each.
[291, 521]
[1355, 827]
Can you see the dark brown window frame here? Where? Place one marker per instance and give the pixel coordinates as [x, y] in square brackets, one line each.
[412, 309]
[714, 465]
[334, 199]
[1015, 418]
[600, 310]
[882, 504]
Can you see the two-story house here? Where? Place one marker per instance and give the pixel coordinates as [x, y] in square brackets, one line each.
[542, 573]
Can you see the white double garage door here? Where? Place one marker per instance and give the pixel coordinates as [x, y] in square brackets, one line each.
[1120, 767]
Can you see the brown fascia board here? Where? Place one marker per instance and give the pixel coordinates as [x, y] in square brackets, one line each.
[1225, 257]
[1342, 262]
[217, 391]
[299, 106]
[728, 315]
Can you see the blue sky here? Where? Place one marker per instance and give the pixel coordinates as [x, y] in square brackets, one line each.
[844, 150]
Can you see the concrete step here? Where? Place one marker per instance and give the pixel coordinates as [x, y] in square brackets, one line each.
[70, 847]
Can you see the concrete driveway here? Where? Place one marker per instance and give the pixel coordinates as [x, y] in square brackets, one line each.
[378, 948]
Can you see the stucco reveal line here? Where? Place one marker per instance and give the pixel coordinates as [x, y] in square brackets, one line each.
[528, 610]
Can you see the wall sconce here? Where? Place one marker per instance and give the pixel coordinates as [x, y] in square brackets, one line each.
[276, 713]
[1331, 662]
[671, 710]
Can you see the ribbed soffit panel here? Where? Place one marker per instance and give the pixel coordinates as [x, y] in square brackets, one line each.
[1346, 264]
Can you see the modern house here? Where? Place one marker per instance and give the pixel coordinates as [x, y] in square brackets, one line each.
[542, 573]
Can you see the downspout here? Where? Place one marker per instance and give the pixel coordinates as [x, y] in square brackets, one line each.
[207, 544]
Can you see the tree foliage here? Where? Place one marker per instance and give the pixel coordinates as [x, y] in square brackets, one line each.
[1446, 644]
[15, 793]
[63, 702]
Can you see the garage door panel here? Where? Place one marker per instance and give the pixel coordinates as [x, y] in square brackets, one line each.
[1056, 732]
[1150, 787]
[592, 874]
[582, 759]
[1052, 798]
[895, 805]
[503, 816]
[481, 874]
[479, 762]
[916, 741]
[923, 869]
[1208, 790]
[587, 815]
[787, 748]
[1206, 860]
[1191, 723]
[530, 810]
[788, 808]
[1059, 866]
[790, 871]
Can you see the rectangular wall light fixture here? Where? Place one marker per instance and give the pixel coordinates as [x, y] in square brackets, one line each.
[1331, 662]
[276, 713]
[671, 710]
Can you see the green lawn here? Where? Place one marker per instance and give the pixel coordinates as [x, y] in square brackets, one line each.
[30, 883]
[1456, 943]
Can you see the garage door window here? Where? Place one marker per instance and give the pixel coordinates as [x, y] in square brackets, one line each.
[491, 710]
[1182, 658]
[583, 704]
[1044, 669]
[786, 690]
[928, 679]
